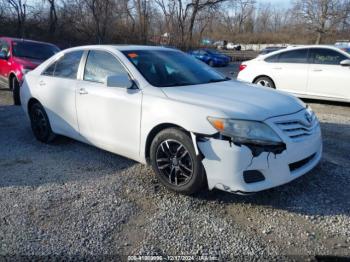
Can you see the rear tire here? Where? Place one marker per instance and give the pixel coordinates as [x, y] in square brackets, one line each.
[40, 124]
[265, 81]
[175, 162]
[15, 91]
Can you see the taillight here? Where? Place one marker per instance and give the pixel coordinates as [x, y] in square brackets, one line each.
[242, 67]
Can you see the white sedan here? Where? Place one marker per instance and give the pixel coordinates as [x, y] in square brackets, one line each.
[160, 106]
[320, 72]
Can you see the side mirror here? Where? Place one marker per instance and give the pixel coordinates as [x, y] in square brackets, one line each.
[345, 62]
[3, 55]
[120, 80]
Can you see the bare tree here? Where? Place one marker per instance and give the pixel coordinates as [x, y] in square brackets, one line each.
[52, 17]
[19, 8]
[322, 16]
[205, 20]
[169, 11]
[263, 19]
[143, 11]
[183, 14]
[181, 23]
[101, 11]
[278, 19]
[243, 11]
[130, 19]
[197, 6]
[2, 11]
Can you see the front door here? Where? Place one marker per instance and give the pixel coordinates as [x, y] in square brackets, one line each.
[108, 117]
[327, 77]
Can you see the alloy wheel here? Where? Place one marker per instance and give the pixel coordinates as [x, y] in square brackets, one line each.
[174, 162]
[263, 82]
[39, 122]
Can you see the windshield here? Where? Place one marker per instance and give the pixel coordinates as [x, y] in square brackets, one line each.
[165, 68]
[38, 51]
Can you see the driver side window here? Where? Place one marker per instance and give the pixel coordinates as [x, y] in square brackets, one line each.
[100, 65]
[326, 56]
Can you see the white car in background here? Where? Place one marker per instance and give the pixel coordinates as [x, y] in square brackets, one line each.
[161, 106]
[320, 72]
[232, 46]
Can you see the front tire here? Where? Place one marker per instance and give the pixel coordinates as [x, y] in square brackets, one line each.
[15, 91]
[265, 81]
[211, 63]
[40, 124]
[175, 162]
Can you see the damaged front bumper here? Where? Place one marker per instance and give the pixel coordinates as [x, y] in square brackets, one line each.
[238, 169]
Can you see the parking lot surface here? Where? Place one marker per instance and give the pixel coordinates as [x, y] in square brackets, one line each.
[75, 200]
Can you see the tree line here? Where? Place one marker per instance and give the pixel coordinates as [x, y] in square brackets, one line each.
[180, 23]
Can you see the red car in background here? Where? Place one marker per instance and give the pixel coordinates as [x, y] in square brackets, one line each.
[19, 56]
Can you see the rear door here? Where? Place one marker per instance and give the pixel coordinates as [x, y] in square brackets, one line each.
[56, 87]
[327, 77]
[289, 70]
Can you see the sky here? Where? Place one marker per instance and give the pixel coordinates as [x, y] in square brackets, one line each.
[282, 3]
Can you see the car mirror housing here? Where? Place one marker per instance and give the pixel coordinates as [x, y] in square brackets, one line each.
[345, 62]
[120, 80]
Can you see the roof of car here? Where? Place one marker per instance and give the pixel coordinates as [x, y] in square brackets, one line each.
[120, 47]
[289, 48]
[23, 39]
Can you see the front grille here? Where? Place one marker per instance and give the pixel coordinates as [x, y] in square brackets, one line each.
[296, 129]
[296, 165]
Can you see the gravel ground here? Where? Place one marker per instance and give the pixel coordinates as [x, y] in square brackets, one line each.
[71, 199]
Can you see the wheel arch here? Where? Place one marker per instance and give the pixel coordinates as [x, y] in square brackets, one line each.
[154, 131]
[259, 76]
[11, 76]
[31, 102]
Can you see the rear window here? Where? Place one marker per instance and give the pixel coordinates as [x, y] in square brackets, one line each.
[272, 59]
[295, 56]
[66, 67]
[299, 56]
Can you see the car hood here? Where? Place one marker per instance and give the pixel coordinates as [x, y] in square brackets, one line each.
[27, 62]
[237, 100]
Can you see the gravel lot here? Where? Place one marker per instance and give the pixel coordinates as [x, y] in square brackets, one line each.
[75, 200]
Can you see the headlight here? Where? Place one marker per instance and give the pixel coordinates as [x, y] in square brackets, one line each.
[245, 131]
[311, 115]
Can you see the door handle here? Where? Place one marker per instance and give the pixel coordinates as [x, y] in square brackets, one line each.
[83, 91]
[317, 70]
[277, 68]
[42, 83]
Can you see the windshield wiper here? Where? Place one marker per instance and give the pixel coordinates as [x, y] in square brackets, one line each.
[180, 84]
